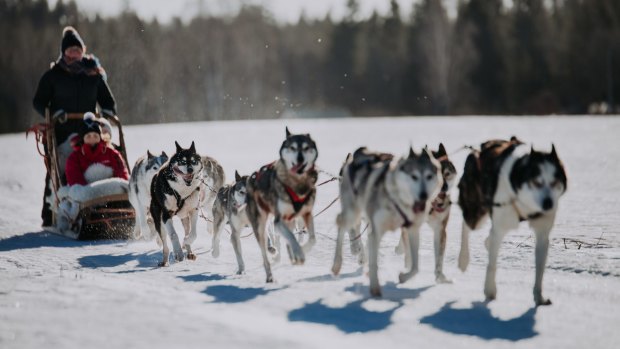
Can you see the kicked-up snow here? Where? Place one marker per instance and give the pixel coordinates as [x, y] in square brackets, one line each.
[60, 293]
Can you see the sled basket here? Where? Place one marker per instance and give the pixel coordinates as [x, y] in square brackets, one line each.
[108, 217]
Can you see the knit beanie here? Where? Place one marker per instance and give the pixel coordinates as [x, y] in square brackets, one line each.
[90, 125]
[70, 37]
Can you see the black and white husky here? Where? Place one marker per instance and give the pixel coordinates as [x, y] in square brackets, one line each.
[439, 214]
[230, 206]
[510, 182]
[391, 194]
[140, 193]
[285, 189]
[176, 190]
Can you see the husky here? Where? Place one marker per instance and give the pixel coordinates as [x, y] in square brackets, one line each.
[285, 189]
[176, 190]
[230, 206]
[213, 180]
[439, 214]
[391, 194]
[510, 182]
[140, 193]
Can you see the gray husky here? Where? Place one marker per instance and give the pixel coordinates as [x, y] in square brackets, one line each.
[230, 206]
[285, 189]
[140, 192]
[510, 182]
[439, 214]
[213, 180]
[391, 194]
[176, 190]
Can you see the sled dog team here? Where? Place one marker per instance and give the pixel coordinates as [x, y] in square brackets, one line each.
[504, 180]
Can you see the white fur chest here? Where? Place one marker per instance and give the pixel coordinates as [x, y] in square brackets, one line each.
[188, 195]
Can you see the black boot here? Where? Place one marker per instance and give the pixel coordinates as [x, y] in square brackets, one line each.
[46, 212]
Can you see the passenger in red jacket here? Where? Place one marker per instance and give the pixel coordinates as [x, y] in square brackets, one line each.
[92, 159]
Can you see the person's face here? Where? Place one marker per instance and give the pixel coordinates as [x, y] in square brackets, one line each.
[106, 136]
[92, 138]
[73, 54]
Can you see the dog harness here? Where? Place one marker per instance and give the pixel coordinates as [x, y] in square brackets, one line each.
[522, 217]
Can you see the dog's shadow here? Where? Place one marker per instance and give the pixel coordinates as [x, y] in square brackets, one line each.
[478, 321]
[235, 294]
[202, 277]
[354, 317]
[145, 260]
[45, 239]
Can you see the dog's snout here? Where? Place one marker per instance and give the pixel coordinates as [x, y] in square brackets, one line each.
[300, 158]
[547, 204]
[190, 169]
[423, 196]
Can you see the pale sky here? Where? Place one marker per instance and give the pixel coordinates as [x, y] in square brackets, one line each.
[283, 10]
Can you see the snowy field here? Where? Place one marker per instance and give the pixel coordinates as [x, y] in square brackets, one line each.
[59, 293]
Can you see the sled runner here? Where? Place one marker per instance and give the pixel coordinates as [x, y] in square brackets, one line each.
[99, 210]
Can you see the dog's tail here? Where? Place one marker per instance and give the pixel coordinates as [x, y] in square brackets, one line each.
[471, 198]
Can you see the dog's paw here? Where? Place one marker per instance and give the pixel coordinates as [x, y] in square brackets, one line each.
[490, 293]
[442, 279]
[336, 268]
[163, 264]
[361, 258]
[463, 262]
[272, 250]
[542, 301]
[356, 247]
[375, 291]
[179, 257]
[270, 279]
[403, 277]
[191, 256]
[240, 272]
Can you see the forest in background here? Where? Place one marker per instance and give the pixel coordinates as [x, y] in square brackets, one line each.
[534, 57]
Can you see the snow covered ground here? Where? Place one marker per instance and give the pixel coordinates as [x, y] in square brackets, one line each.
[59, 293]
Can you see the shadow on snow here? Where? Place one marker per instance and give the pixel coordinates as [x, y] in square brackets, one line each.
[234, 294]
[202, 277]
[354, 317]
[109, 261]
[46, 239]
[478, 321]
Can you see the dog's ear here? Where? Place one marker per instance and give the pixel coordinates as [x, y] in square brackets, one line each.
[412, 154]
[237, 177]
[149, 155]
[425, 153]
[553, 153]
[178, 146]
[441, 151]
[192, 148]
[164, 155]
[288, 133]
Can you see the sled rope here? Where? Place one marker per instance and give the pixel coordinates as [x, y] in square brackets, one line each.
[203, 216]
[470, 147]
[328, 206]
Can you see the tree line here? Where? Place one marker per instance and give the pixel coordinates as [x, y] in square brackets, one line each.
[533, 57]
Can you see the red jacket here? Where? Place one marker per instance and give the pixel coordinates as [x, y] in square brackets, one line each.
[83, 157]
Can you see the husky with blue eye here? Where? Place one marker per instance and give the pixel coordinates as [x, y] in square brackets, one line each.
[176, 190]
[392, 194]
[510, 182]
[285, 189]
[140, 193]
